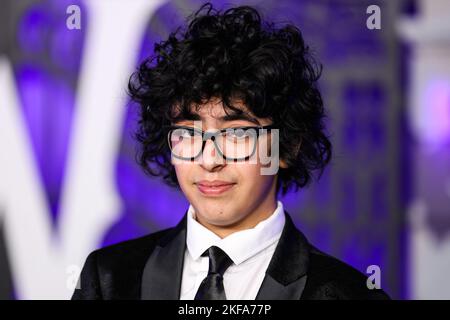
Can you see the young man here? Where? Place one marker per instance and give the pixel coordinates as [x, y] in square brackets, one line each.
[216, 99]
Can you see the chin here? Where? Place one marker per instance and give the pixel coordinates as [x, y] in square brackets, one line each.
[214, 217]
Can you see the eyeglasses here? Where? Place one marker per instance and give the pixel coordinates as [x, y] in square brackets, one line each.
[236, 144]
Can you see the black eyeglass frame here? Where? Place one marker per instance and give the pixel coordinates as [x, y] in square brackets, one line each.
[207, 135]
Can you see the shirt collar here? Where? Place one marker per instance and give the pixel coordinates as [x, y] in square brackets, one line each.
[240, 245]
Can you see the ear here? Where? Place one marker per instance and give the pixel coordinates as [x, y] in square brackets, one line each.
[283, 164]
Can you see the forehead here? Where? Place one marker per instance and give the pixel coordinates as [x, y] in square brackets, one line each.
[216, 111]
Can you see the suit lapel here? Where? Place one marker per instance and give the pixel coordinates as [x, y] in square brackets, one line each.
[161, 279]
[285, 277]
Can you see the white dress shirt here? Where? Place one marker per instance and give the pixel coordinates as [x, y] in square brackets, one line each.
[251, 251]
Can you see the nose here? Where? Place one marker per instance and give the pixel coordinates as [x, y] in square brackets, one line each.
[210, 159]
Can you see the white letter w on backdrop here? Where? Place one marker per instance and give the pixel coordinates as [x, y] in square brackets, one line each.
[90, 204]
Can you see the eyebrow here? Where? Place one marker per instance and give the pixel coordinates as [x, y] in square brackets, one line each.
[239, 116]
[227, 117]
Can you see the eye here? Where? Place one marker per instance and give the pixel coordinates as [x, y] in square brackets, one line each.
[181, 133]
[186, 133]
[239, 133]
[236, 134]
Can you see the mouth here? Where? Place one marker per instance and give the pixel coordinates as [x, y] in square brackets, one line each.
[214, 188]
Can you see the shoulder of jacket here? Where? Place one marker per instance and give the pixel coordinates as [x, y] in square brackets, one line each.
[128, 251]
[331, 278]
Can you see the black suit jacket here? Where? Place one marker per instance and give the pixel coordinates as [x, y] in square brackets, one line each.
[151, 268]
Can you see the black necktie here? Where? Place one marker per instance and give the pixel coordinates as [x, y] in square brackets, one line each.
[211, 287]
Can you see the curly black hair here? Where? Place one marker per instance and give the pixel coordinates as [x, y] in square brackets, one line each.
[230, 55]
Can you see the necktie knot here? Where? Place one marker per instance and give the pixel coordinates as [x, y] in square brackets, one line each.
[219, 261]
[211, 287]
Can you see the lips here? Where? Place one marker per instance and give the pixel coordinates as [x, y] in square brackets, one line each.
[214, 183]
[215, 187]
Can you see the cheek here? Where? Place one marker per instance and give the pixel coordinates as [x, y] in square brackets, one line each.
[183, 172]
[250, 174]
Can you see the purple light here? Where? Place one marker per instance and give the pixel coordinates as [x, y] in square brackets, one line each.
[434, 114]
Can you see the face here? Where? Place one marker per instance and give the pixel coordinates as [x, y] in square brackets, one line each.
[245, 197]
